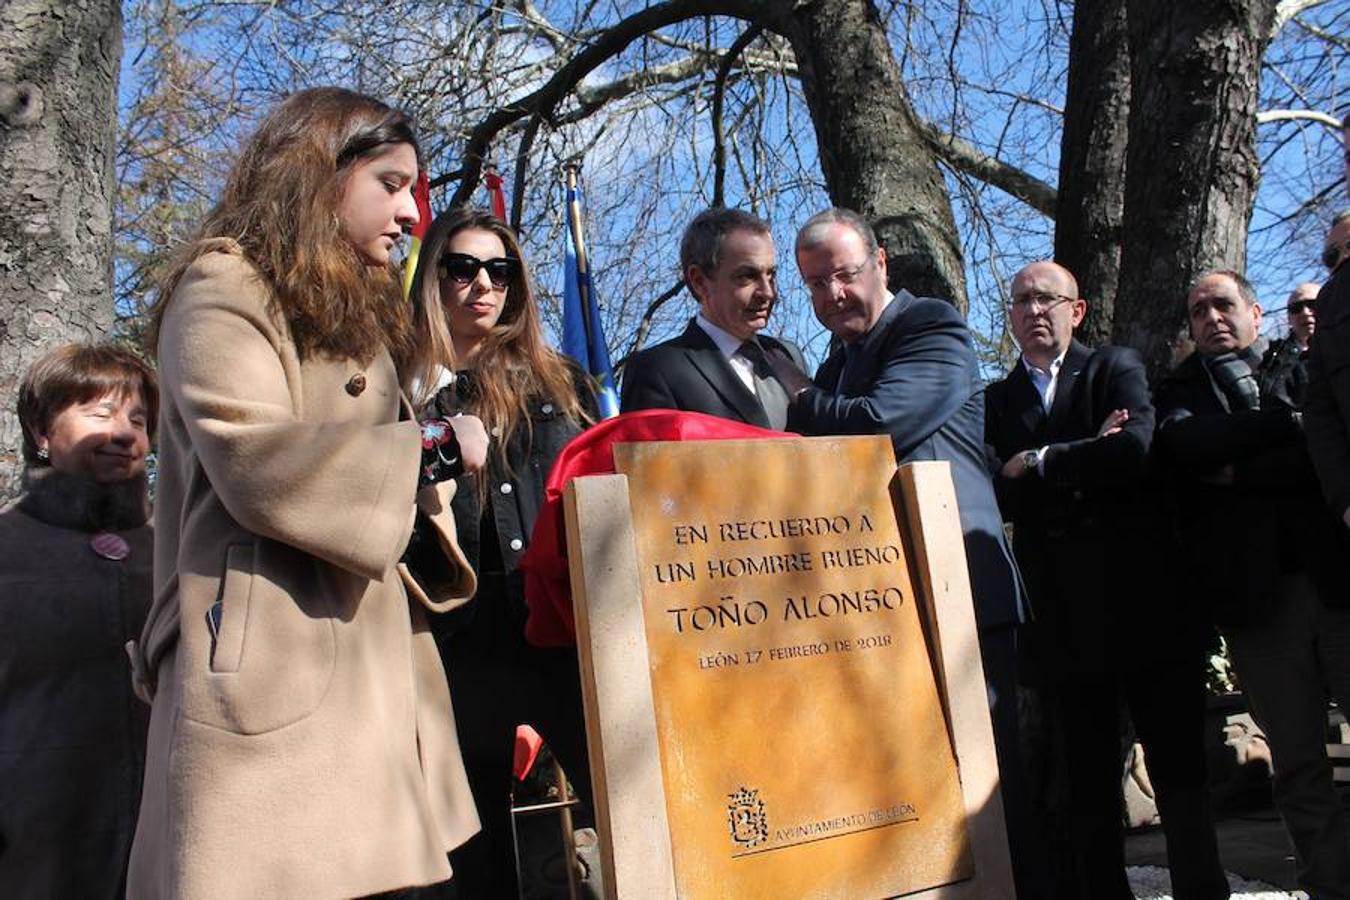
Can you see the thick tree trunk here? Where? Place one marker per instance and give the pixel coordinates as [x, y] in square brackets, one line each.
[872, 149]
[1091, 195]
[58, 111]
[1191, 170]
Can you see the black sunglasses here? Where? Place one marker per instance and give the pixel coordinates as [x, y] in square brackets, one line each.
[1299, 306]
[462, 268]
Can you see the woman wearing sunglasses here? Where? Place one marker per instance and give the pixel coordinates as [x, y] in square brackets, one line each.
[475, 291]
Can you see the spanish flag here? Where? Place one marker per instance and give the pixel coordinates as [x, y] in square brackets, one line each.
[422, 195]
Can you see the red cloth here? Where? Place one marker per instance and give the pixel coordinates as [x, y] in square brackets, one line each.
[528, 745]
[496, 196]
[548, 589]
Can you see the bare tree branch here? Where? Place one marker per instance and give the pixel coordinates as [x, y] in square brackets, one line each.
[1298, 115]
[609, 43]
[645, 326]
[719, 94]
[1286, 10]
[962, 155]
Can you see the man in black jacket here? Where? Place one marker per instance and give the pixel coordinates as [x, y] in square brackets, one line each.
[717, 365]
[1070, 429]
[1265, 558]
[1328, 402]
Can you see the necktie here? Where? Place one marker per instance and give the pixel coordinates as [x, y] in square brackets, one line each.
[772, 397]
[852, 353]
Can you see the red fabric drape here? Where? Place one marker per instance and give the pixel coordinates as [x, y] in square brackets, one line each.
[548, 590]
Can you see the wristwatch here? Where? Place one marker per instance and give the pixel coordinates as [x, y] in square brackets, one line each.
[1030, 459]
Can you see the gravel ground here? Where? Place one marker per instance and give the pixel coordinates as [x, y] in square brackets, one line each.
[1153, 883]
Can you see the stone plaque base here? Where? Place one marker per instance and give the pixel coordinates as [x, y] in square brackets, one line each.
[780, 688]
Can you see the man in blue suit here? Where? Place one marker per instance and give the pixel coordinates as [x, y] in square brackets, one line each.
[906, 367]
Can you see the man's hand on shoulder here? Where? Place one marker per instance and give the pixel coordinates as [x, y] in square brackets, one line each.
[793, 379]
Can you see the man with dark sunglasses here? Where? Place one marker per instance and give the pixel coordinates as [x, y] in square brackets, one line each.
[1284, 368]
[1302, 314]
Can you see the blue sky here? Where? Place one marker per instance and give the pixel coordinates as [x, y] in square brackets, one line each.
[998, 82]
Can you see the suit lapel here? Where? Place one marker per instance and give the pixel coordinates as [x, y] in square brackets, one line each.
[827, 376]
[1074, 363]
[1025, 401]
[863, 370]
[709, 362]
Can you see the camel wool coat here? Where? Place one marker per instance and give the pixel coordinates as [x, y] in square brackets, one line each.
[302, 742]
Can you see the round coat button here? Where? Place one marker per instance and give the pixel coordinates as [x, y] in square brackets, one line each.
[496, 431]
[506, 488]
[517, 543]
[546, 409]
[356, 384]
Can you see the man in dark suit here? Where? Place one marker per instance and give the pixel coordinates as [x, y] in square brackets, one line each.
[906, 367]
[1266, 558]
[1070, 430]
[717, 366]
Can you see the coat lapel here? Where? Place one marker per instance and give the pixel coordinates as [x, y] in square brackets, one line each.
[1074, 362]
[713, 366]
[1025, 401]
[827, 376]
[862, 372]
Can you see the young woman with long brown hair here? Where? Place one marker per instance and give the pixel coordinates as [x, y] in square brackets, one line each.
[301, 741]
[484, 328]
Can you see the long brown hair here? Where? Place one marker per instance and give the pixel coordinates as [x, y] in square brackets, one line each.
[514, 364]
[280, 207]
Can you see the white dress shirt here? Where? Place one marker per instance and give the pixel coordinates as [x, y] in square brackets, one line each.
[1045, 381]
[728, 343]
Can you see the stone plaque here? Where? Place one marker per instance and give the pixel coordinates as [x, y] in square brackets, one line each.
[804, 752]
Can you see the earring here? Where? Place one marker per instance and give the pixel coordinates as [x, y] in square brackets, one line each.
[42, 454]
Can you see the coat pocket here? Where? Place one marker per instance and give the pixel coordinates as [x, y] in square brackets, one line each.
[272, 648]
[228, 617]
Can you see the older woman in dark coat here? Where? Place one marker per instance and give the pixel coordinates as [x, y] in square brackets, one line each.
[75, 562]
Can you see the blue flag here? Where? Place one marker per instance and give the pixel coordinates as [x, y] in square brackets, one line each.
[583, 338]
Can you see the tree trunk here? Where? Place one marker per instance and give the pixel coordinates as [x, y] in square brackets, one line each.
[1091, 195]
[58, 112]
[872, 149]
[1191, 169]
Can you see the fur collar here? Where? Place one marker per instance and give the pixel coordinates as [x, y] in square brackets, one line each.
[71, 501]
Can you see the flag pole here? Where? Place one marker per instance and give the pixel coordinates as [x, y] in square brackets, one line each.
[579, 242]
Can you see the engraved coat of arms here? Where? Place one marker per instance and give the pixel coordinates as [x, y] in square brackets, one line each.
[748, 824]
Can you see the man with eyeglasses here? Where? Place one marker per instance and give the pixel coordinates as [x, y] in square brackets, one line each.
[717, 365]
[905, 367]
[1264, 559]
[1069, 429]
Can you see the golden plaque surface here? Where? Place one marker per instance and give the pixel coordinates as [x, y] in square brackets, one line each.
[804, 751]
